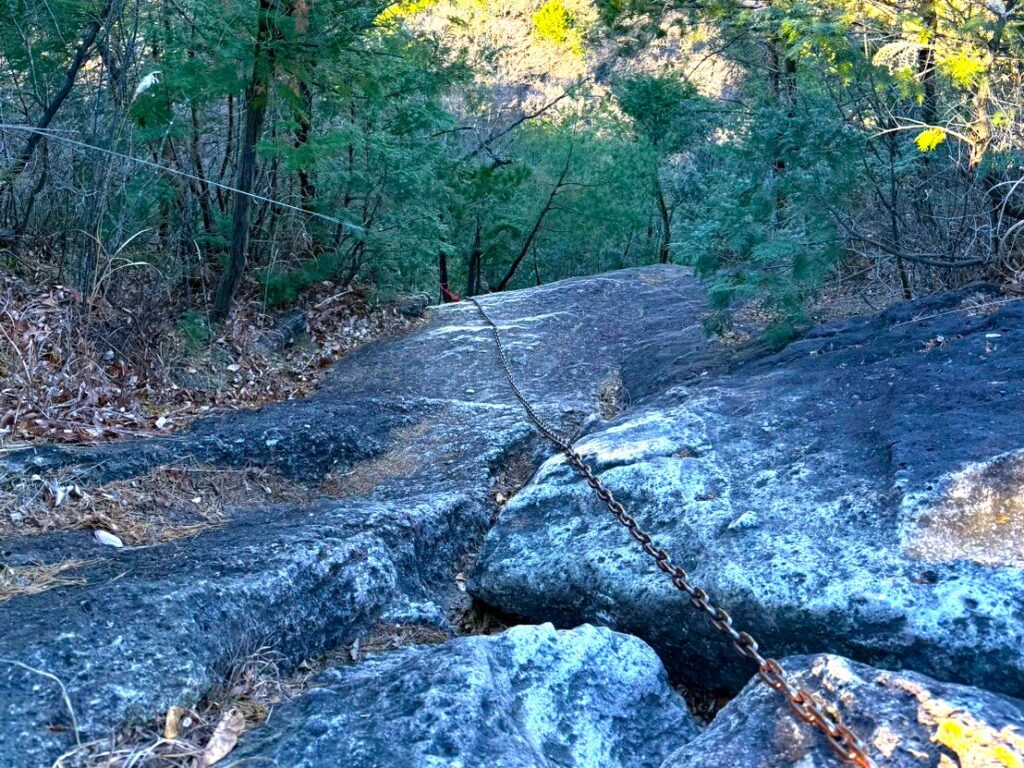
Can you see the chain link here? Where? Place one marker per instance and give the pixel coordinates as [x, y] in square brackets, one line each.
[803, 703]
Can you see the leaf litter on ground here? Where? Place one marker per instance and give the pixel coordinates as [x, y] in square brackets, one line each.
[64, 379]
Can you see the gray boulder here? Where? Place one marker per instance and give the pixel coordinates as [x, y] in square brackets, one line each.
[857, 493]
[288, 329]
[528, 698]
[413, 305]
[419, 427]
[904, 719]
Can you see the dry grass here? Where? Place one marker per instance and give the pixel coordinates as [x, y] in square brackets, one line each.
[179, 739]
[516, 472]
[363, 477]
[982, 304]
[846, 298]
[479, 619]
[703, 704]
[391, 637]
[21, 580]
[250, 691]
[176, 501]
[859, 293]
[169, 502]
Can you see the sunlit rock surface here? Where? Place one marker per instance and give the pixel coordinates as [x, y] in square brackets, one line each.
[904, 719]
[528, 698]
[420, 427]
[975, 514]
[859, 492]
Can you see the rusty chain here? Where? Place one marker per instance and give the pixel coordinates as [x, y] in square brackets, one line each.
[803, 703]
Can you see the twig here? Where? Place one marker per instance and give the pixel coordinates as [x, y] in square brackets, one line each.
[63, 690]
[958, 309]
[329, 299]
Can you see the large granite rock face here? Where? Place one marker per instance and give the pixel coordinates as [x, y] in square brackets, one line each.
[905, 720]
[528, 698]
[859, 492]
[427, 420]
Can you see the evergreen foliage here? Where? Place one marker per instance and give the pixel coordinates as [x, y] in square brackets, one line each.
[772, 147]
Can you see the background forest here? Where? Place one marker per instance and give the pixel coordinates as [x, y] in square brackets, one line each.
[176, 163]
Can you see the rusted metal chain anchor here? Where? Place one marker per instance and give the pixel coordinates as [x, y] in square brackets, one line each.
[804, 704]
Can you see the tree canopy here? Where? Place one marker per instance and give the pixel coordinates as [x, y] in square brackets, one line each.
[460, 146]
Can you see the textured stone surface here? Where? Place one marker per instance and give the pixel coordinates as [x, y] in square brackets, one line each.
[290, 328]
[530, 697]
[425, 423]
[906, 721]
[859, 493]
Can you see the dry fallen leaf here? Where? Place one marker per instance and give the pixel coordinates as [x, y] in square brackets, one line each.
[172, 726]
[60, 493]
[107, 538]
[223, 739]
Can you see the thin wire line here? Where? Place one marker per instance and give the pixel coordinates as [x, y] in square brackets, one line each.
[958, 309]
[48, 134]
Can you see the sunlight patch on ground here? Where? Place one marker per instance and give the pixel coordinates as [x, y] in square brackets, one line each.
[977, 515]
[975, 743]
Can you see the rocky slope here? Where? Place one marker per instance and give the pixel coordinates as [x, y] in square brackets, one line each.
[528, 697]
[426, 423]
[859, 493]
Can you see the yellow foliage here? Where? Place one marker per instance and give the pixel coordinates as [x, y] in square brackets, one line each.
[555, 23]
[403, 10]
[929, 139]
[963, 67]
[1002, 754]
[979, 746]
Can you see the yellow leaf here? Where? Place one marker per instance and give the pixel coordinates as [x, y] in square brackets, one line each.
[1004, 756]
[963, 67]
[930, 138]
[555, 23]
[403, 10]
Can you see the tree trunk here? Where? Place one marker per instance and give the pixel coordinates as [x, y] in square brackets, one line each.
[85, 268]
[782, 84]
[535, 230]
[442, 270]
[203, 192]
[926, 65]
[355, 264]
[228, 150]
[475, 257]
[303, 114]
[664, 256]
[303, 128]
[256, 98]
[37, 189]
